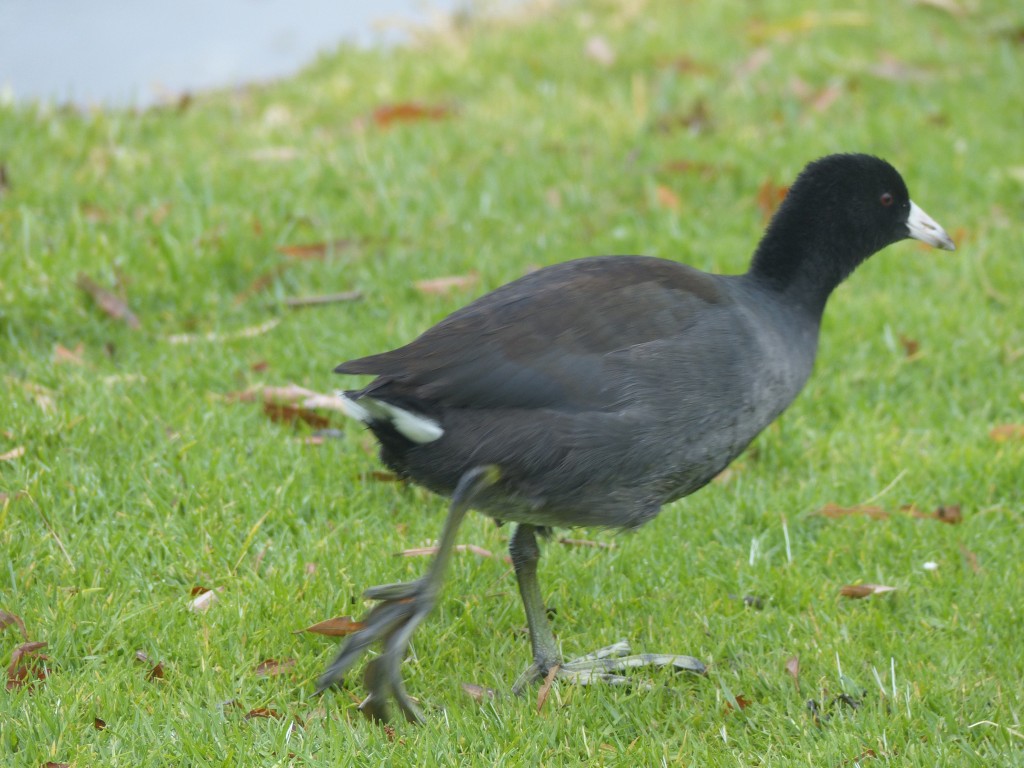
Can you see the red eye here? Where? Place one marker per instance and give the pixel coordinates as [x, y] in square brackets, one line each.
[886, 199]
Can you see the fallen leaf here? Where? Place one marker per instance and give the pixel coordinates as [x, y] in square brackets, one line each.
[667, 198]
[836, 511]
[260, 366]
[62, 355]
[405, 112]
[99, 724]
[600, 50]
[793, 668]
[769, 196]
[944, 514]
[262, 712]
[9, 620]
[112, 305]
[308, 251]
[5, 181]
[203, 600]
[14, 453]
[273, 667]
[439, 286]
[742, 702]
[290, 414]
[1003, 432]
[478, 692]
[382, 476]
[156, 673]
[339, 626]
[910, 346]
[545, 688]
[26, 665]
[52, 764]
[859, 591]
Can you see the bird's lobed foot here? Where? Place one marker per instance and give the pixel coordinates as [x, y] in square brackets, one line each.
[403, 606]
[604, 666]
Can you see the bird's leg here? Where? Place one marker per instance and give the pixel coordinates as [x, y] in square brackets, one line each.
[601, 666]
[401, 609]
[525, 554]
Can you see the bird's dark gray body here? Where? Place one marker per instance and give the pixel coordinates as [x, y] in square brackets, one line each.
[595, 391]
[597, 411]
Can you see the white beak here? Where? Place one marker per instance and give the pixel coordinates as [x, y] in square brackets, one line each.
[923, 227]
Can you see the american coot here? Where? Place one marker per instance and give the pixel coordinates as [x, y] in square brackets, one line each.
[595, 391]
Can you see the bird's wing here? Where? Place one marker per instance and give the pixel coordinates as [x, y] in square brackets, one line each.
[545, 340]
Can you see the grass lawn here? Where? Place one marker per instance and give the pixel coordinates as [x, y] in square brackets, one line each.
[133, 471]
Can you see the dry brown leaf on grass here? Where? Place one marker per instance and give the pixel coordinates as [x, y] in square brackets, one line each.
[387, 115]
[742, 702]
[291, 414]
[339, 626]
[859, 591]
[14, 453]
[950, 514]
[112, 305]
[263, 712]
[441, 286]
[99, 723]
[202, 599]
[156, 672]
[545, 688]
[1003, 432]
[273, 667]
[318, 250]
[27, 665]
[10, 620]
[836, 511]
[52, 764]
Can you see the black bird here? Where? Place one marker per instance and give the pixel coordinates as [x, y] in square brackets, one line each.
[595, 391]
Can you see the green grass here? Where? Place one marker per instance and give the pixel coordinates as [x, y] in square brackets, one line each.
[139, 480]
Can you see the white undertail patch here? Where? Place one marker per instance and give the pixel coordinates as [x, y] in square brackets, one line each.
[414, 426]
